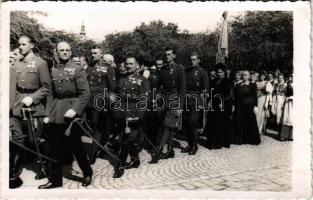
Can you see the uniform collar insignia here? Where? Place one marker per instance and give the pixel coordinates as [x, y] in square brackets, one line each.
[101, 68]
[28, 57]
[70, 71]
[171, 64]
[31, 64]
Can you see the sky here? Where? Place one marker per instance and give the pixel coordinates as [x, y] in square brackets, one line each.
[100, 22]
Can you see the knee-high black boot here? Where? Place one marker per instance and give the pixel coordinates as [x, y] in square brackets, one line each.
[15, 180]
[134, 157]
[119, 168]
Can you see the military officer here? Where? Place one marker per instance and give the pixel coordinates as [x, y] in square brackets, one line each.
[32, 86]
[15, 180]
[132, 91]
[152, 117]
[116, 125]
[197, 88]
[76, 60]
[15, 56]
[159, 64]
[102, 82]
[66, 101]
[173, 87]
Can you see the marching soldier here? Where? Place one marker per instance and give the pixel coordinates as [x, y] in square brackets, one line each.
[102, 82]
[66, 101]
[32, 86]
[116, 127]
[152, 117]
[15, 180]
[173, 87]
[131, 89]
[197, 88]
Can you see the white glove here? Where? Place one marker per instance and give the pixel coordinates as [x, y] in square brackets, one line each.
[255, 110]
[27, 101]
[146, 74]
[46, 120]
[70, 114]
[179, 113]
[112, 98]
[132, 119]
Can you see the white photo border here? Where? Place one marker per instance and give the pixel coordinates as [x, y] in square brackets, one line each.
[301, 168]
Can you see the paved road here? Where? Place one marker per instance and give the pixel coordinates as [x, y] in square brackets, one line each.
[266, 167]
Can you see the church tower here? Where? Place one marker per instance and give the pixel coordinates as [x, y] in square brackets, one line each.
[82, 32]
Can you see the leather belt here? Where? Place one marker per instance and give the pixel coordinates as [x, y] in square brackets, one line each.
[25, 90]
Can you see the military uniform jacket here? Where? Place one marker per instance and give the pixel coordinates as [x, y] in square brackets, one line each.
[100, 77]
[70, 90]
[129, 89]
[32, 79]
[154, 81]
[173, 83]
[197, 81]
[12, 86]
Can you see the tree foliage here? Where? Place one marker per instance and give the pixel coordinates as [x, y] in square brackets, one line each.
[257, 40]
[148, 41]
[262, 40]
[45, 39]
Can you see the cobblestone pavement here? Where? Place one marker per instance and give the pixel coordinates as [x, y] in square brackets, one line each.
[266, 167]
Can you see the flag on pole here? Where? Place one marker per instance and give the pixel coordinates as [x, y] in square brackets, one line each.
[222, 51]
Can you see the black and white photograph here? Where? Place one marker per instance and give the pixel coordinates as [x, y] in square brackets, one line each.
[155, 99]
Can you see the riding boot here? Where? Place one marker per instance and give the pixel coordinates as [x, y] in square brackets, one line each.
[134, 163]
[42, 172]
[134, 157]
[170, 152]
[119, 170]
[156, 155]
[15, 180]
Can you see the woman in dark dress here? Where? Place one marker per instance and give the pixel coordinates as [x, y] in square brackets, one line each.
[246, 102]
[218, 134]
[286, 130]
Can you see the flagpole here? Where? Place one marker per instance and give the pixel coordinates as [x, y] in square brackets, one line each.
[222, 51]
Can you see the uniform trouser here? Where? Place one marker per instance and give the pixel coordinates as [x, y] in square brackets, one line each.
[166, 137]
[190, 123]
[99, 121]
[128, 142]
[191, 119]
[152, 125]
[168, 128]
[117, 128]
[21, 133]
[58, 142]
